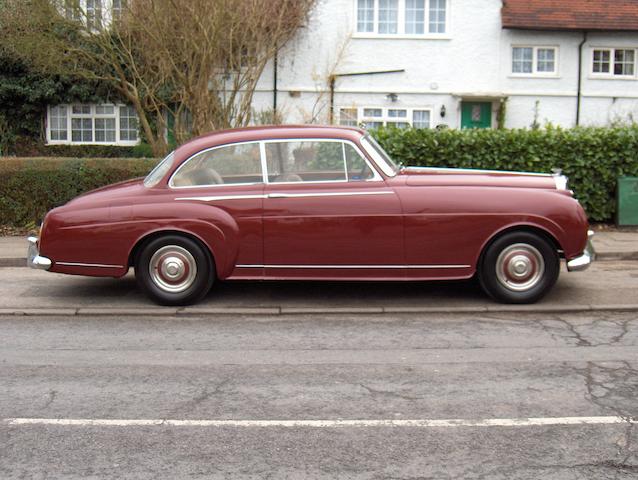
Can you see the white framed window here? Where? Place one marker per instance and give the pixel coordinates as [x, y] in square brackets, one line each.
[86, 124]
[539, 61]
[614, 62]
[94, 14]
[58, 123]
[395, 18]
[117, 8]
[375, 117]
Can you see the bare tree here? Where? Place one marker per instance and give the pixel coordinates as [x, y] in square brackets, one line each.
[197, 61]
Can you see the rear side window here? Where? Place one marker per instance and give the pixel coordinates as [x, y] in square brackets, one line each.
[228, 165]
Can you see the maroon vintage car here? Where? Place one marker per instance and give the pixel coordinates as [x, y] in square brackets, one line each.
[316, 203]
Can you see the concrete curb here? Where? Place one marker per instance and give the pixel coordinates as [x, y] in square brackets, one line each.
[285, 311]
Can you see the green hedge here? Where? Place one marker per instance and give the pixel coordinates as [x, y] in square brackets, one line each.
[30, 187]
[592, 158]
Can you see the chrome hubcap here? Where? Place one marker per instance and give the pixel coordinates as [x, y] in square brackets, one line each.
[173, 268]
[520, 267]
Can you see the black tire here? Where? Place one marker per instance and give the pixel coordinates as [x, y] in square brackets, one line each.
[519, 267]
[174, 270]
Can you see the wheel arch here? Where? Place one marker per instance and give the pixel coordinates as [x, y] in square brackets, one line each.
[150, 236]
[534, 229]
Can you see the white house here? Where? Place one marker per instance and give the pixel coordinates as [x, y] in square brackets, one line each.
[458, 63]
[462, 62]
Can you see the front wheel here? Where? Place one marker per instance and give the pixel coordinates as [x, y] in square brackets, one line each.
[174, 270]
[519, 267]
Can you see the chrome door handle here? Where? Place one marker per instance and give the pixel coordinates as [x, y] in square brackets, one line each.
[278, 195]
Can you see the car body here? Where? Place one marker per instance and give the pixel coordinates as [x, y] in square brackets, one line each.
[315, 203]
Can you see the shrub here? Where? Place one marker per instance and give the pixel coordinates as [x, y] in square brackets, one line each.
[592, 158]
[31, 187]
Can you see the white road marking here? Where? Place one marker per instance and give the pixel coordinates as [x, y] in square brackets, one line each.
[422, 423]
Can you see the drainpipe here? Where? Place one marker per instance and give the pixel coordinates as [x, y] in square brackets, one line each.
[580, 76]
[274, 88]
[333, 80]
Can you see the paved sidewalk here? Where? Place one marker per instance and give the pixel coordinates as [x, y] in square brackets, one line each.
[609, 246]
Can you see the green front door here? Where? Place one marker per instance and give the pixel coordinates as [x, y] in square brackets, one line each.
[476, 115]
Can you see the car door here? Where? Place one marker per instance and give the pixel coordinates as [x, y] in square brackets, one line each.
[328, 214]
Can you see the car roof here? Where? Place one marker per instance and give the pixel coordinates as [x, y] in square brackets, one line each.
[266, 132]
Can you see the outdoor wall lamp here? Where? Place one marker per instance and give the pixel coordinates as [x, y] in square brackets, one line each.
[443, 111]
[393, 97]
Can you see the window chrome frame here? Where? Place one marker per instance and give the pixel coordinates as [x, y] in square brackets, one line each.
[264, 164]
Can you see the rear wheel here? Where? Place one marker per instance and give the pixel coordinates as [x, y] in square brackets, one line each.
[519, 267]
[174, 270]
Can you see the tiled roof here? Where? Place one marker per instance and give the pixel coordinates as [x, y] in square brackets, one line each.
[571, 14]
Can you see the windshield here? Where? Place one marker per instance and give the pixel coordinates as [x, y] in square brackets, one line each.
[159, 171]
[380, 157]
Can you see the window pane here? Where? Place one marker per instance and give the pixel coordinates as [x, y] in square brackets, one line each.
[398, 124]
[522, 59]
[93, 14]
[388, 16]
[82, 109]
[546, 60]
[373, 125]
[105, 130]
[421, 119]
[624, 62]
[437, 16]
[226, 165]
[58, 123]
[602, 61]
[305, 161]
[415, 16]
[128, 124]
[358, 169]
[81, 129]
[397, 113]
[117, 8]
[348, 117]
[104, 110]
[365, 16]
[372, 112]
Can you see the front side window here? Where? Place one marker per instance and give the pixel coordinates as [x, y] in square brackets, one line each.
[402, 17]
[228, 165]
[159, 171]
[534, 60]
[89, 123]
[616, 62]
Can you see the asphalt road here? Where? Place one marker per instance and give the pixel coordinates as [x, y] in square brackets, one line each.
[492, 379]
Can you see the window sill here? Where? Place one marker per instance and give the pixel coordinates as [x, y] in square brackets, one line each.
[100, 144]
[612, 77]
[386, 36]
[535, 76]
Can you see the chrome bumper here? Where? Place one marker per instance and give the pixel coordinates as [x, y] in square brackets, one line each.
[583, 262]
[34, 260]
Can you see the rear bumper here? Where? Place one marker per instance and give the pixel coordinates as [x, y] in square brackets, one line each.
[583, 262]
[34, 259]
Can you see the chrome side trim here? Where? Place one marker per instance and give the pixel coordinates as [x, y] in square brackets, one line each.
[88, 265]
[222, 197]
[477, 170]
[355, 267]
[325, 194]
[282, 195]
